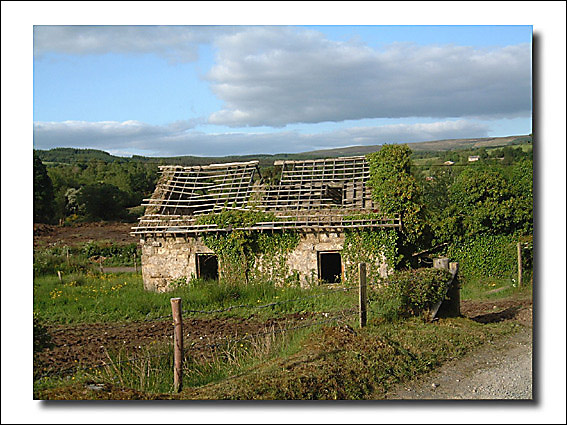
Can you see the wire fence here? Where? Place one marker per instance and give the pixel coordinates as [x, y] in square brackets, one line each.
[219, 342]
[205, 342]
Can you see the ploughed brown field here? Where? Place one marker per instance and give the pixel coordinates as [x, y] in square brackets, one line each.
[45, 235]
[87, 345]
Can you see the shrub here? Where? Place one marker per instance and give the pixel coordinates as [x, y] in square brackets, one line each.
[410, 292]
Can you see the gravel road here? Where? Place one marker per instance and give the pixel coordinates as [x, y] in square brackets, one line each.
[501, 369]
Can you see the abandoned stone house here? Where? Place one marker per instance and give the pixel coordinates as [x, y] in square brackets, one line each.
[318, 200]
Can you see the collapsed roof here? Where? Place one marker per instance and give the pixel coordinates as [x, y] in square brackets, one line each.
[310, 195]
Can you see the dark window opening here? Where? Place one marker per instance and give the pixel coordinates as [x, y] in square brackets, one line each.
[207, 267]
[330, 267]
[334, 193]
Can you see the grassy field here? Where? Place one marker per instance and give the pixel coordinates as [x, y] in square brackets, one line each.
[97, 297]
[329, 359]
[333, 362]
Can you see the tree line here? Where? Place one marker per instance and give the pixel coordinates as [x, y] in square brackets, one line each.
[91, 190]
[440, 203]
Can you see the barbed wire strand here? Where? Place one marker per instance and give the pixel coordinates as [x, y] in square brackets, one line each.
[342, 314]
[252, 306]
[334, 318]
[234, 307]
[115, 325]
[223, 310]
[105, 364]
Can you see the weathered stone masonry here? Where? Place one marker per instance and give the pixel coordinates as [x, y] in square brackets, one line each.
[166, 259]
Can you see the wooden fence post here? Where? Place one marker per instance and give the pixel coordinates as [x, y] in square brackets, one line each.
[59, 276]
[519, 264]
[135, 264]
[177, 344]
[362, 293]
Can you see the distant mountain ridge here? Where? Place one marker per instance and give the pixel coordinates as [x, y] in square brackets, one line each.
[73, 155]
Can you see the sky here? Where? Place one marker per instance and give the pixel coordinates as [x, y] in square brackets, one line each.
[230, 90]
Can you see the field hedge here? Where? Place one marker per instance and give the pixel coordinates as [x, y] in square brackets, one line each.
[488, 256]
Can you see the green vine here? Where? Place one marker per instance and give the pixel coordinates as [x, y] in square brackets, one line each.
[369, 246]
[486, 256]
[274, 247]
[395, 191]
[246, 254]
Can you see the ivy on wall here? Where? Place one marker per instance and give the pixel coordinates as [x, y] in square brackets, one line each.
[371, 247]
[246, 254]
[486, 256]
[271, 264]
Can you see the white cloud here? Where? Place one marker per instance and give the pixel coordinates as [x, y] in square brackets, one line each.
[105, 134]
[276, 76]
[180, 139]
[175, 43]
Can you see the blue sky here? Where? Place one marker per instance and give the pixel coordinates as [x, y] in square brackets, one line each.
[223, 90]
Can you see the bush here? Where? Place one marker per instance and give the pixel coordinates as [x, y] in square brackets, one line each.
[91, 249]
[50, 260]
[410, 292]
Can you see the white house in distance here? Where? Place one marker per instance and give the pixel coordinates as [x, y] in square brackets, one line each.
[474, 158]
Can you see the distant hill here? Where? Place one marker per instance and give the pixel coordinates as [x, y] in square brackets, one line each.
[73, 155]
[431, 146]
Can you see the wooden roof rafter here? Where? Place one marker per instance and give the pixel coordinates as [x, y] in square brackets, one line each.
[203, 189]
[311, 195]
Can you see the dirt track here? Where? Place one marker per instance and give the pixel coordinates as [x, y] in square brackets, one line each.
[501, 369]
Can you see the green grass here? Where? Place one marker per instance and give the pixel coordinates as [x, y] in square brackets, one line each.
[330, 362]
[493, 288]
[152, 371]
[48, 261]
[95, 297]
[339, 364]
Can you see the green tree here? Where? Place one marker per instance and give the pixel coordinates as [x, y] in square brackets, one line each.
[101, 201]
[484, 202]
[43, 197]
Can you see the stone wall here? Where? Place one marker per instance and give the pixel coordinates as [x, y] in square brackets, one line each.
[304, 258]
[167, 259]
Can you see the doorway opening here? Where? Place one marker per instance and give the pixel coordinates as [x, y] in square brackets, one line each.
[207, 267]
[330, 267]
